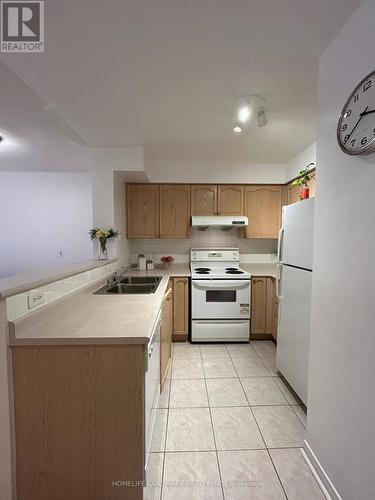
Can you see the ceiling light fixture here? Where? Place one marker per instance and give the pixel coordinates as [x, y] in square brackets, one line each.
[237, 129]
[246, 107]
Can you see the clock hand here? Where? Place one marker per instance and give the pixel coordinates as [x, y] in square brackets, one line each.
[364, 113]
[356, 125]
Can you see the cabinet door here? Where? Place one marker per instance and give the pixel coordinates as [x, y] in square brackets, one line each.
[180, 308]
[230, 199]
[142, 211]
[263, 208]
[292, 194]
[203, 199]
[166, 337]
[311, 183]
[174, 208]
[258, 305]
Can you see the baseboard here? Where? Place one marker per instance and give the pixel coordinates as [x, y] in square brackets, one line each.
[319, 473]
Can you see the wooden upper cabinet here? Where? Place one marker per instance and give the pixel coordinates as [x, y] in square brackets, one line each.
[142, 211]
[203, 199]
[174, 210]
[263, 208]
[230, 199]
[292, 194]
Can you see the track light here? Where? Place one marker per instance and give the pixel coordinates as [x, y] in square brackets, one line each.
[262, 118]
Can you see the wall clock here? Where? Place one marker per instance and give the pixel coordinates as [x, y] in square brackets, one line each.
[356, 126]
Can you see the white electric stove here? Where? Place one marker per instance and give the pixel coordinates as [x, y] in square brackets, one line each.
[220, 294]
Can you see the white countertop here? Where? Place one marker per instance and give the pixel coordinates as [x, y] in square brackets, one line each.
[13, 285]
[83, 318]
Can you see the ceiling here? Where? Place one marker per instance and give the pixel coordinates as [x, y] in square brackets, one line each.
[164, 74]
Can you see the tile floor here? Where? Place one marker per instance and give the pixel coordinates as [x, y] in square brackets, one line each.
[228, 428]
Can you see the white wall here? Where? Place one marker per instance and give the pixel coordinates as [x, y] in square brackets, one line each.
[342, 351]
[300, 161]
[204, 172]
[41, 214]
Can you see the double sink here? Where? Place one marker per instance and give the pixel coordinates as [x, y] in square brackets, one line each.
[132, 285]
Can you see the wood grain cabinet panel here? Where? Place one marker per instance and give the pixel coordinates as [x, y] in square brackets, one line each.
[258, 305]
[203, 199]
[78, 421]
[166, 335]
[142, 211]
[174, 210]
[180, 309]
[230, 199]
[263, 208]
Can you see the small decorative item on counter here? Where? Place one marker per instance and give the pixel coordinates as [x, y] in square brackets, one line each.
[150, 265]
[167, 260]
[142, 262]
[302, 180]
[102, 235]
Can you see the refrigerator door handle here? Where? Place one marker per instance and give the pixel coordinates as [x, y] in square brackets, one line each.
[278, 279]
[279, 243]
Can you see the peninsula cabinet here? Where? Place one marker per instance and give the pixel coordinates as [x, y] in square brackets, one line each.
[222, 199]
[142, 210]
[166, 334]
[263, 208]
[180, 309]
[79, 421]
[174, 210]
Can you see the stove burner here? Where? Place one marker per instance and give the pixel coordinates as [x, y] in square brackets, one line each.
[236, 271]
[202, 272]
[199, 269]
[231, 269]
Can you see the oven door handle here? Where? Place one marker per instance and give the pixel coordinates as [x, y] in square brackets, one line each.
[212, 285]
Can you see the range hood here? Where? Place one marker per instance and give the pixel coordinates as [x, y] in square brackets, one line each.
[225, 222]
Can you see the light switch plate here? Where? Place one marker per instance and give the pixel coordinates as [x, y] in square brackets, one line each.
[35, 298]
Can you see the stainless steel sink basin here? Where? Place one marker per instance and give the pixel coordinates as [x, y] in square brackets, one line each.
[132, 285]
[140, 280]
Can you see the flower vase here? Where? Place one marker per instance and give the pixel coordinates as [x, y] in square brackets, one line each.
[102, 249]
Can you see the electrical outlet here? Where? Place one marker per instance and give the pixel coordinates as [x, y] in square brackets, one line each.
[35, 298]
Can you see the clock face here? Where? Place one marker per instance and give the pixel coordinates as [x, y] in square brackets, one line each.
[356, 126]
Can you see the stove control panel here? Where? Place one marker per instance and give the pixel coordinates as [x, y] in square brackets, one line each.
[214, 255]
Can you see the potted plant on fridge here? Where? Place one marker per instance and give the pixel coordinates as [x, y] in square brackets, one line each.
[302, 181]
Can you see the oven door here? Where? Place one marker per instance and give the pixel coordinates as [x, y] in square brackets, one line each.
[220, 299]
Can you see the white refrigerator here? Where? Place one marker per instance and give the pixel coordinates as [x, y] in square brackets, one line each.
[295, 253]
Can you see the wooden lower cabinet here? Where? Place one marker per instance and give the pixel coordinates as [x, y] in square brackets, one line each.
[264, 307]
[166, 335]
[180, 309]
[79, 421]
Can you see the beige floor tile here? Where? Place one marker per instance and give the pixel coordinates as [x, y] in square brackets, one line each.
[164, 396]
[250, 367]
[280, 426]
[264, 349]
[191, 476]
[236, 429]
[154, 476]
[188, 394]
[190, 429]
[249, 475]
[225, 392]
[159, 433]
[285, 390]
[184, 350]
[295, 475]
[270, 364]
[187, 369]
[298, 410]
[219, 368]
[214, 351]
[262, 391]
[241, 351]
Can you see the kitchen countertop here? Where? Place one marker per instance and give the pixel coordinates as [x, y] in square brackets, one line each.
[13, 285]
[260, 269]
[86, 319]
